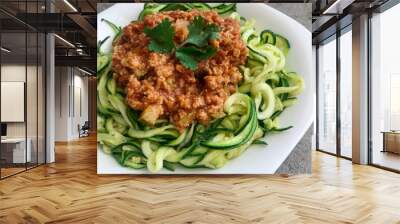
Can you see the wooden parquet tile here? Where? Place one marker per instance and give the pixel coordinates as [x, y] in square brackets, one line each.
[70, 191]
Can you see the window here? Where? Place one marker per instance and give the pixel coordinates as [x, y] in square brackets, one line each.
[346, 94]
[327, 97]
[334, 106]
[385, 89]
[394, 101]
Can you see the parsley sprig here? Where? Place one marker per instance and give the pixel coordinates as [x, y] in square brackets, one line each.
[194, 49]
[162, 37]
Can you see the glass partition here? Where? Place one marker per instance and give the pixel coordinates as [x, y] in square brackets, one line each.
[22, 77]
[14, 145]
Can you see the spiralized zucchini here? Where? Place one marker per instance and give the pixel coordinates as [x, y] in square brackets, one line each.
[266, 91]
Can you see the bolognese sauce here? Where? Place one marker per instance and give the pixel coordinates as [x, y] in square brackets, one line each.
[159, 86]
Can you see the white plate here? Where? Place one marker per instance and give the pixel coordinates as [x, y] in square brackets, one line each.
[257, 159]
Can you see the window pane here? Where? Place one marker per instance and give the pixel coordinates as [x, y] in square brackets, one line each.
[346, 93]
[386, 89]
[327, 97]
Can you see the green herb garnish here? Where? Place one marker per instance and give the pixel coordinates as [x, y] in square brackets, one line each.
[162, 37]
[200, 32]
[194, 49]
[191, 55]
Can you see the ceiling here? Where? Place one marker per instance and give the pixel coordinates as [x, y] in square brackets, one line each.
[332, 15]
[75, 21]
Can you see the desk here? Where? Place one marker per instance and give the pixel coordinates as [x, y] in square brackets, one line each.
[17, 150]
[391, 141]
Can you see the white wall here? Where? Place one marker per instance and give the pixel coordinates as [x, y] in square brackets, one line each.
[12, 73]
[79, 117]
[33, 127]
[62, 81]
[70, 83]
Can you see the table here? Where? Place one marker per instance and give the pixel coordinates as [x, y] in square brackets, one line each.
[391, 141]
[17, 150]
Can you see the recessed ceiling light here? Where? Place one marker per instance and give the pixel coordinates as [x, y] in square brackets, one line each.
[5, 50]
[64, 40]
[70, 5]
[84, 71]
[337, 7]
[329, 9]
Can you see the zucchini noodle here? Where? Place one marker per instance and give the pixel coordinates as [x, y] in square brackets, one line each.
[266, 90]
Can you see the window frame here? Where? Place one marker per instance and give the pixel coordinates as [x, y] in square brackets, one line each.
[334, 37]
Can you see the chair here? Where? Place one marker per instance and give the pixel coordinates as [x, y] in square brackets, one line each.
[84, 130]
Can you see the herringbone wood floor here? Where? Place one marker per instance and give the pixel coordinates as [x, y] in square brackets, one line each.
[69, 191]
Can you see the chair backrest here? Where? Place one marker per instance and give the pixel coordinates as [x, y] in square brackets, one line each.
[86, 125]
